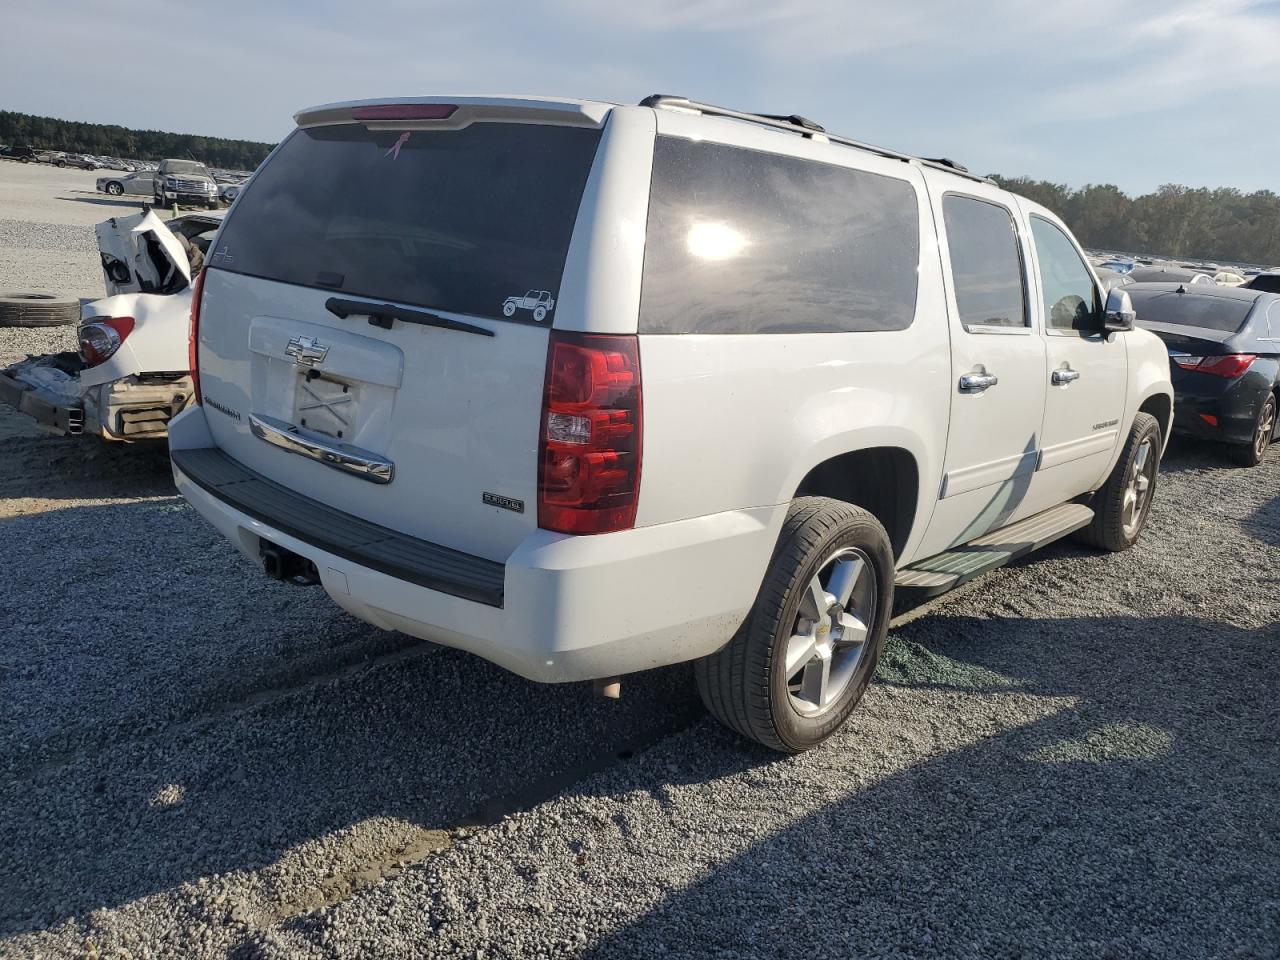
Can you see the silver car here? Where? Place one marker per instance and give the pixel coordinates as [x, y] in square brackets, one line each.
[122, 184]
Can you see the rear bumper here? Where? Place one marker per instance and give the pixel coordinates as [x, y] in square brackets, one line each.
[571, 608]
[1233, 413]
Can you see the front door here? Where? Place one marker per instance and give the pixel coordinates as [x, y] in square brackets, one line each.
[997, 366]
[1086, 369]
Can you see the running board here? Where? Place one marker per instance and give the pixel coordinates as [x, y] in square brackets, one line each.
[944, 571]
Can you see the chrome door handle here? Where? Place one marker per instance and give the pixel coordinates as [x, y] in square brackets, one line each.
[973, 382]
[340, 456]
[1065, 376]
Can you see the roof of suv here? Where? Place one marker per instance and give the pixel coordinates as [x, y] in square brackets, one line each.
[397, 112]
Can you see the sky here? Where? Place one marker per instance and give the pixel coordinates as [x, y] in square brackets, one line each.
[1087, 91]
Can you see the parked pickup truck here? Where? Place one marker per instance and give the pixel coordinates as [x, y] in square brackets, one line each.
[130, 374]
[789, 380]
[184, 182]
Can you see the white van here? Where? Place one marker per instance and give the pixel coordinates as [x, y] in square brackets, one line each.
[776, 373]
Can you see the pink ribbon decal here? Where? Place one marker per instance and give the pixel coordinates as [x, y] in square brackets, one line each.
[394, 152]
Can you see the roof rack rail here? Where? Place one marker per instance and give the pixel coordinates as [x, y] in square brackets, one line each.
[793, 123]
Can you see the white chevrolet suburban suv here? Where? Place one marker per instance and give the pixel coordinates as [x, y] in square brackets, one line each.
[779, 374]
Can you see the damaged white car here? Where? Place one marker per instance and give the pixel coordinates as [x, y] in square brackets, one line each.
[131, 375]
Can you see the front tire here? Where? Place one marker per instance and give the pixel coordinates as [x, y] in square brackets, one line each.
[1122, 505]
[115, 189]
[1264, 428]
[800, 663]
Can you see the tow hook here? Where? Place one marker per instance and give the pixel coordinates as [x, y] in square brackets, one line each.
[608, 687]
[287, 566]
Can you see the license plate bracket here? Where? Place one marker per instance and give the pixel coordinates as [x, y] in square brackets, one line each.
[325, 404]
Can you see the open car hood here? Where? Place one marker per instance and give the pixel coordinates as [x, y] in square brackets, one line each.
[141, 255]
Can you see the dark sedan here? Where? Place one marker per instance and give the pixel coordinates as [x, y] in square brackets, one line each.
[1224, 360]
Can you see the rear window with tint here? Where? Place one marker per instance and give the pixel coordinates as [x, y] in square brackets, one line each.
[473, 221]
[741, 241]
[1227, 314]
[1267, 282]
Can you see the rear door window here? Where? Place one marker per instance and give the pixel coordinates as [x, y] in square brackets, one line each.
[741, 241]
[466, 221]
[986, 263]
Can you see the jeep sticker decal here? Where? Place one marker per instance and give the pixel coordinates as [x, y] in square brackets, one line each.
[537, 302]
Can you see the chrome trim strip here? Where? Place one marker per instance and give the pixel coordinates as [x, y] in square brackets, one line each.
[341, 456]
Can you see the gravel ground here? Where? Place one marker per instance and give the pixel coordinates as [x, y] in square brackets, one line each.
[47, 216]
[1077, 756]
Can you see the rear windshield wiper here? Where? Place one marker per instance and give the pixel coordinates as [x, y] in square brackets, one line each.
[384, 314]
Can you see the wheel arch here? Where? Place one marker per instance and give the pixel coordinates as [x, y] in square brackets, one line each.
[884, 480]
[1160, 406]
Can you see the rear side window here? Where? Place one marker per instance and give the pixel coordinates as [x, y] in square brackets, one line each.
[986, 263]
[473, 221]
[741, 241]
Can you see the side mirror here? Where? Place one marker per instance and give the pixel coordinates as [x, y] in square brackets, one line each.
[1118, 315]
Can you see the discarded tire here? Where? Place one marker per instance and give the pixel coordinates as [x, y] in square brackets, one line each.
[37, 309]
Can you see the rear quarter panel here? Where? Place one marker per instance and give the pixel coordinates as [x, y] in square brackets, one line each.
[1148, 377]
[158, 341]
[736, 421]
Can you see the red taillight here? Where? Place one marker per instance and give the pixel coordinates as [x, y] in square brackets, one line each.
[193, 338]
[1229, 366]
[101, 337]
[405, 111]
[590, 445]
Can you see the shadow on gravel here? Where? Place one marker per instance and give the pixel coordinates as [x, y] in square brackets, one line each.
[1264, 525]
[1139, 822]
[58, 468]
[187, 718]
[1190, 454]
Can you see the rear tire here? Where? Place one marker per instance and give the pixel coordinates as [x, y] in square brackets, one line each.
[1251, 454]
[1122, 505]
[37, 309]
[793, 672]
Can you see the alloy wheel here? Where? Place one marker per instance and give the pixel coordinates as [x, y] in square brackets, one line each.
[829, 639]
[1266, 427]
[1137, 491]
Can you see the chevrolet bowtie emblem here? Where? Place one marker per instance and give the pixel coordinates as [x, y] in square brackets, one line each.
[306, 350]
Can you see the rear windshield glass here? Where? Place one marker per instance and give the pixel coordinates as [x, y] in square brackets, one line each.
[473, 221]
[742, 241]
[1227, 314]
[1268, 282]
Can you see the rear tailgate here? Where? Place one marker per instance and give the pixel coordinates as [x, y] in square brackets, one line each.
[366, 299]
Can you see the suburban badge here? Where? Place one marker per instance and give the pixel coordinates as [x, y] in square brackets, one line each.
[506, 503]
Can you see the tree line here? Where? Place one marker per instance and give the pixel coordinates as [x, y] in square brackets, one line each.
[102, 139]
[1175, 221]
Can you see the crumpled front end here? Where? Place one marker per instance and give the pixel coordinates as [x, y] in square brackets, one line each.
[50, 390]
